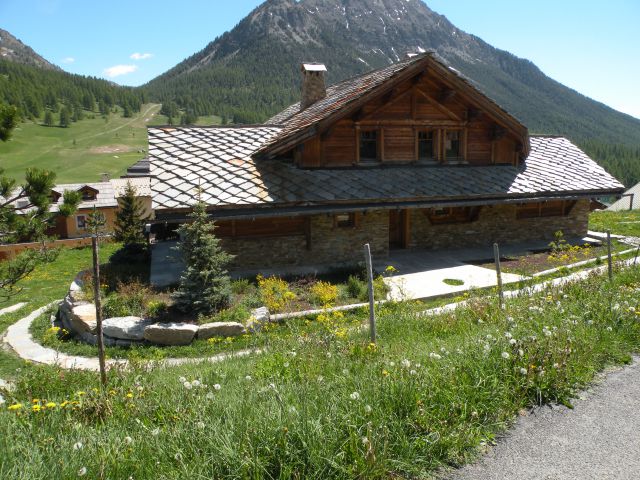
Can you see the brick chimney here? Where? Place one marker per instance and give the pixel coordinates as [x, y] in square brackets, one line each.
[313, 86]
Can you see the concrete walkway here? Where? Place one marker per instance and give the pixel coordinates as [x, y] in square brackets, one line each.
[19, 339]
[12, 308]
[598, 439]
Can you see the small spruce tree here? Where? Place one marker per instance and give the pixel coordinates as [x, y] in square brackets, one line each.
[205, 286]
[130, 220]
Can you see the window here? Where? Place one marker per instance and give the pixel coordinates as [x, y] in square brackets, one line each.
[452, 146]
[81, 222]
[426, 146]
[344, 220]
[369, 146]
[447, 215]
[554, 208]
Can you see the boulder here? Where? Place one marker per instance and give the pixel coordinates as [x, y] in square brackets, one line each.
[259, 316]
[92, 339]
[221, 329]
[125, 328]
[83, 318]
[170, 333]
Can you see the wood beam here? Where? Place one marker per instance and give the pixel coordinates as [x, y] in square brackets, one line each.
[446, 94]
[498, 132]
[473, 113]
[438, 104]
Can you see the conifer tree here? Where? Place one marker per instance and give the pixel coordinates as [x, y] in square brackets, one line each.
[65, 117]
[205, 286]
[130, 220]
[48, 118]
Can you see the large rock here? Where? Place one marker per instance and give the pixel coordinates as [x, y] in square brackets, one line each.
[221, 329]
[125, 328]
[92, 339]
[170, 333]
[259, 316]
[83, 318]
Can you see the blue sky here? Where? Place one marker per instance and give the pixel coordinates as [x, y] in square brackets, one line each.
[591, 46]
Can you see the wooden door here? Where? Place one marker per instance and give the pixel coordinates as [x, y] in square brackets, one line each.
[397, 229]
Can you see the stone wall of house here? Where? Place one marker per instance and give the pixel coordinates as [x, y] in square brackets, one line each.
[330, 245]
[333, 246]
[497, 223]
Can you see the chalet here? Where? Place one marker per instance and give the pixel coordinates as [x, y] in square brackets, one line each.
[413, 155]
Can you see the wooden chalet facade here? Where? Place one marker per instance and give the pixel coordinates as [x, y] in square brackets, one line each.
[409, 156]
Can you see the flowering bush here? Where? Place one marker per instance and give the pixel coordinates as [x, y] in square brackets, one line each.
[275, 293]
[324, 293]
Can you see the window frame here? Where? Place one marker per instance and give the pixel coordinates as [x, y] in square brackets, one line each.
[81, 224]
[434, 145]
[462, 139]
[350, 222]
[376, 140]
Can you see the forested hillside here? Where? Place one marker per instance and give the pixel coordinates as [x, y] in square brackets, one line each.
[37, 92]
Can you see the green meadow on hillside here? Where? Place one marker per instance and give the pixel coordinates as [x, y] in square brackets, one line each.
[82, 151]
[87, 148]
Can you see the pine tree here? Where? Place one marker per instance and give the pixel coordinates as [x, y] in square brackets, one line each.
[48, 118]
[205, 286]
[65, 117]
[130, 220]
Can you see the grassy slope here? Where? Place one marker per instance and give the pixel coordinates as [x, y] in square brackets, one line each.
[34, 145]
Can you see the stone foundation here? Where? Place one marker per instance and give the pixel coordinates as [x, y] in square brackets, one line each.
[497, 223]
[332, 246]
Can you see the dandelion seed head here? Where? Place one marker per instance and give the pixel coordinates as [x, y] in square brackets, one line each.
[367, 408]
[405, 363]
[155, 432]
[82, 472]
[77, 446]
[354, 396]
[523, 371]
[187, 385]
[505, 355]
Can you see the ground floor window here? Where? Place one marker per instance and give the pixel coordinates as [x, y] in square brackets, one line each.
[344, 220]
[81, 222]
[449, 215]
[552, 208]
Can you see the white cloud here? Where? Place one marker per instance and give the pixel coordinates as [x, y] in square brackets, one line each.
[68, 60]
[140, 56]
[118, 70]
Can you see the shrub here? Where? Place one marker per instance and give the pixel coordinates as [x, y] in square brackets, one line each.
[240, 286]
[237, 313]
[157, 309]
[356, 288]
[324, 293]
[129, 299]
[380, 289]
[275, 293]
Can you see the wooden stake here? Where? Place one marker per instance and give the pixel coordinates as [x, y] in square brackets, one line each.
[372, 313]
[609, 254]
[496, 255]
[96, 295]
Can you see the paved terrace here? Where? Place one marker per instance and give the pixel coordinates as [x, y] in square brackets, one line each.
[419, 273]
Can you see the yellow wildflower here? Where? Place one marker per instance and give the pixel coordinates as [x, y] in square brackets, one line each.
[15, 406]
[51, 405]
[81, 393]
[129, 395]
[36, 408]
[385, 373]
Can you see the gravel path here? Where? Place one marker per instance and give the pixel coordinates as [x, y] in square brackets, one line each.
[598, 439]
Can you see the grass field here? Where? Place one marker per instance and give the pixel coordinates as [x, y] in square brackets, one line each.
[101, 145]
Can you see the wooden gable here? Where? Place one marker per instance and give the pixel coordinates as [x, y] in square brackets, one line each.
[453, 120]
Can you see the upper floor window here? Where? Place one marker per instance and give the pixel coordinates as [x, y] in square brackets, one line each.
[88, 194]
[368, 145]
[453, 145]
[426, 146]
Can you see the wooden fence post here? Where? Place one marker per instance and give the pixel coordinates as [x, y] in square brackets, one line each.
[98, 302]
[609, 254]
[372, 313]
[496, 255]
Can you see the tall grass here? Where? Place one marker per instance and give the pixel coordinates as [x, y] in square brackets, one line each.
[327, 404]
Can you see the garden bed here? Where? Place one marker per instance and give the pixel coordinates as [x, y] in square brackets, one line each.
[540, 261]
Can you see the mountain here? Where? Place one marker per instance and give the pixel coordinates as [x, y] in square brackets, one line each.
[14, 50]
[252, 71]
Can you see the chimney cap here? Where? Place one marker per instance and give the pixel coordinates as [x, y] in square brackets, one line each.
[314, 67]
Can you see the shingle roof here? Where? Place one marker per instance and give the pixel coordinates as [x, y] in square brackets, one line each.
[352, 91]
[218, 162]
[104, 198]
[141, 184]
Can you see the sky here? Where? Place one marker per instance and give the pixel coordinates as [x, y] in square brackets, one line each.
[591, 46]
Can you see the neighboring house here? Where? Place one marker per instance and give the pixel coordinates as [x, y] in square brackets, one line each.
[138, 169]
[630, 200]
[101, 195]
[409, 156]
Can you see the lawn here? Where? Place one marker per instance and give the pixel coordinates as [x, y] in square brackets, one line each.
[327, 404]
[81, 152]
[626, 222]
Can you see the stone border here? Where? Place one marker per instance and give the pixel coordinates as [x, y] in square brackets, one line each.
[19, 339]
